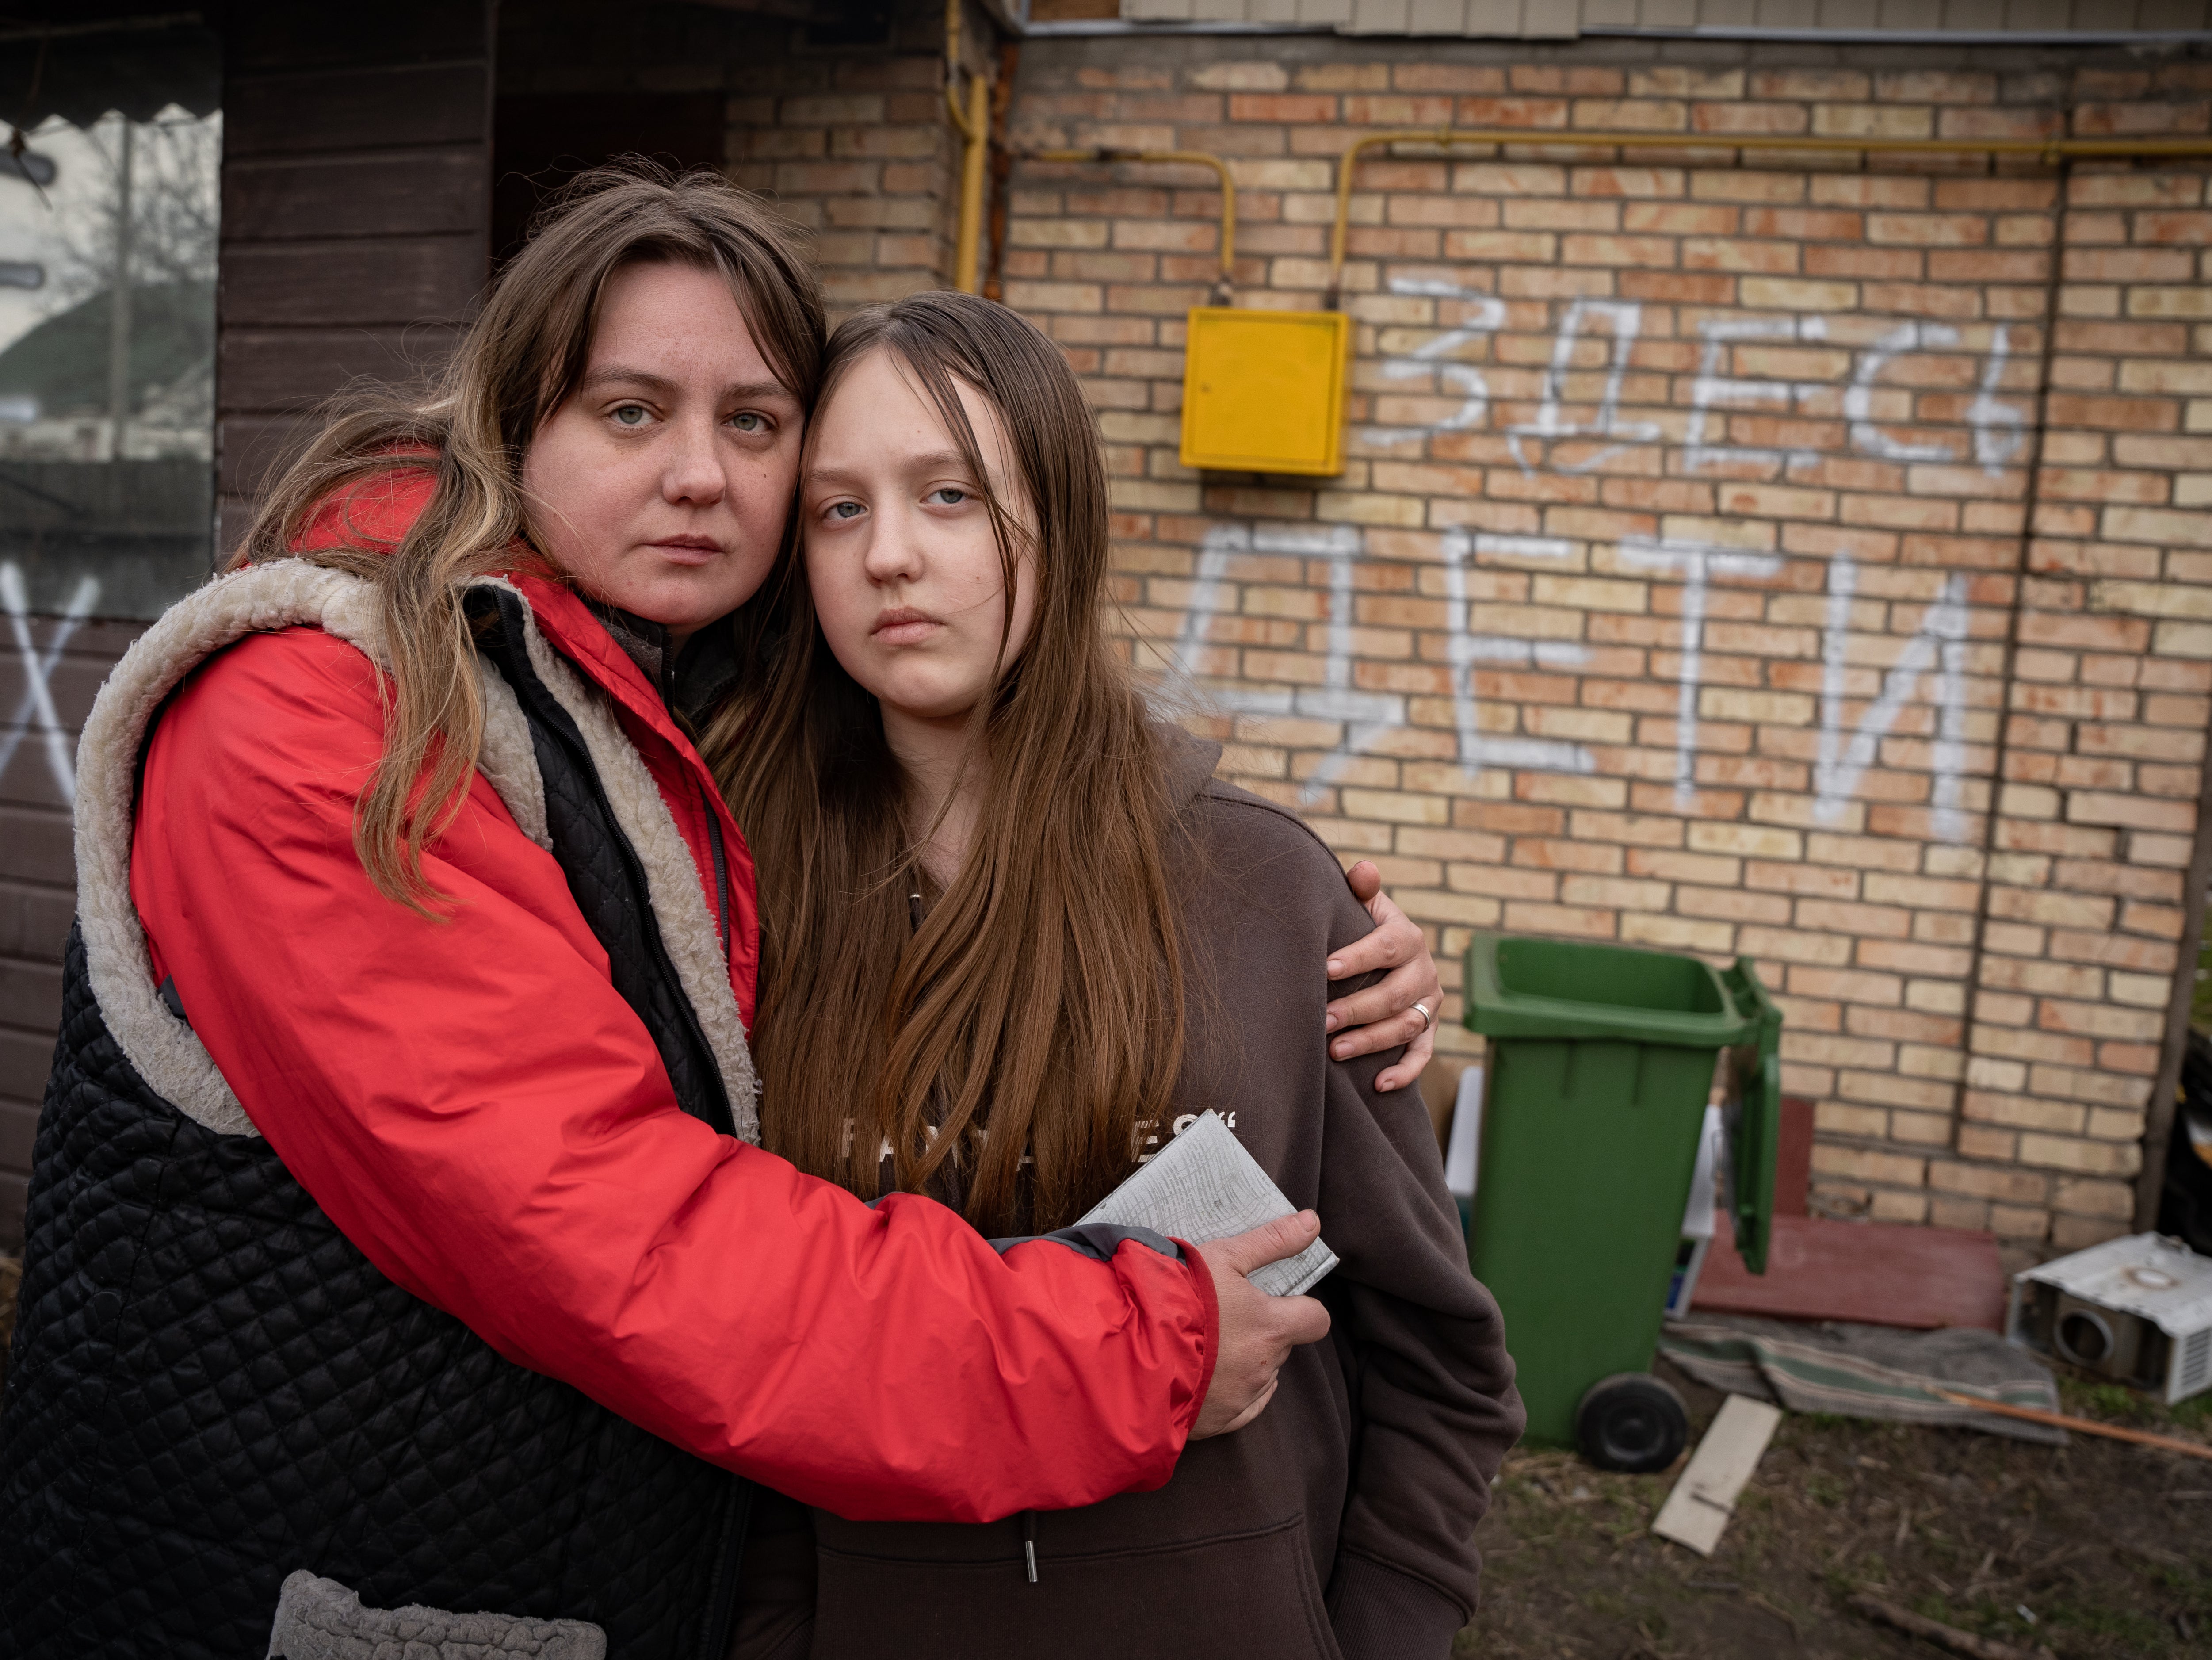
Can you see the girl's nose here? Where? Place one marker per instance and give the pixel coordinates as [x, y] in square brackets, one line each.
[894, 552]
[693, 476]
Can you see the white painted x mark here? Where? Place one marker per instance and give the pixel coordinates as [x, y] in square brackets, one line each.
[34, 709]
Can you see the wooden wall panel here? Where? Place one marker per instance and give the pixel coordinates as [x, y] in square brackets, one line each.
[364, 280]
[382, 193]
[37, 875]
[394, 105]
[356, 197]
[261, 368]
[357, 208]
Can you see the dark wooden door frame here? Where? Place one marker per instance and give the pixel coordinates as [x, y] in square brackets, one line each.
[2158, 1119]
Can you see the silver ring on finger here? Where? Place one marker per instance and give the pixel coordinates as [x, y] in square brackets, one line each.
[1422, 1009]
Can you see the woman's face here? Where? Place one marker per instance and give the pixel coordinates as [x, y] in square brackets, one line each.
[905, 571]
[661, 484]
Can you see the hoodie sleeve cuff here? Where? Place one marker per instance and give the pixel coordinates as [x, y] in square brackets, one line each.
[1379, 1615]
[1201, 1279]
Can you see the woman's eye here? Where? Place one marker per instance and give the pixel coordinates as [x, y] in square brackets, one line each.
[950, 495]
[845, 510]
[747, 421]
[631, 415]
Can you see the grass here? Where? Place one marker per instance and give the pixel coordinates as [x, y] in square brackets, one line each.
[2115, 1403]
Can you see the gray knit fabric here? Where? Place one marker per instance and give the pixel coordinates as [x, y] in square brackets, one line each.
[318, 1619]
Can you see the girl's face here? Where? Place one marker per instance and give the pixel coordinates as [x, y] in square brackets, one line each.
[660, 486]
[905, 571]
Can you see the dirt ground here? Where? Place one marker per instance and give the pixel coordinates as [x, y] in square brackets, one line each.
[2095, 1549]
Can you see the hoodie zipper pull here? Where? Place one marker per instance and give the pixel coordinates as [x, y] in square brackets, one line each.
[1028, 1542]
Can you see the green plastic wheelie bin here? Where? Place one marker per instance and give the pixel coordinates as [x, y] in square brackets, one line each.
[1602, 1060]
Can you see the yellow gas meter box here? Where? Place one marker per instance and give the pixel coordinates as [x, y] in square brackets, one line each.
[1263, 391]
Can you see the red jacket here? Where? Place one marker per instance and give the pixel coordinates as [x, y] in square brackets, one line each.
[484, 1116]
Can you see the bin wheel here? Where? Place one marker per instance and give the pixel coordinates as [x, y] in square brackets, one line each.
[1632, 1421]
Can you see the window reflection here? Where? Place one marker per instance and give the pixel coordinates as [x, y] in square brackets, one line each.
[108, 227]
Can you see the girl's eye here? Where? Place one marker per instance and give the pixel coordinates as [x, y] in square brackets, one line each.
[950, 495]
[844, 509]
[747, 421]
[630, 414]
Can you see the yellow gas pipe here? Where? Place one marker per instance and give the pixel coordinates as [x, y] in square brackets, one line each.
[2050, 151]
[973, 124]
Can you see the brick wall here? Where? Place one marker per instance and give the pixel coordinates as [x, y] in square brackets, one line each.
[1680, 590]
[856, 146]
[845, 131]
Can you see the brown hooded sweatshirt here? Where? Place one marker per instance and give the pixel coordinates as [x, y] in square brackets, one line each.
[1339, 1522]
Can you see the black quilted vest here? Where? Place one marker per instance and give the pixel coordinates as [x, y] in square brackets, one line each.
[210, 1387]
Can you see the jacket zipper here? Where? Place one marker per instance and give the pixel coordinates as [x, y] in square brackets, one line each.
[722, 1590]
[1029, 1543]
[664, 966]
[663, 963]
[721, 868]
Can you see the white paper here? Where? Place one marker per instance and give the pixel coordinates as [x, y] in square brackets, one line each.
[1704, 1185]
[1203, 1186]
[1460, 1158]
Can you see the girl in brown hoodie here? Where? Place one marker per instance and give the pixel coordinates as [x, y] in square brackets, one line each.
[1016, 939]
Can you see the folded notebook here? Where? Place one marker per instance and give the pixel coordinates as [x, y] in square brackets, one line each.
[1204, 1186]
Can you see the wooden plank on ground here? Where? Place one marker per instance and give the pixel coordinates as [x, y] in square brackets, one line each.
[1877, 1274]
[1698, 1509]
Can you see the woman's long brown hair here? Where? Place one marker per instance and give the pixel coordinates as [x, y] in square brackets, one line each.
[516, 364]
[1037, 1011]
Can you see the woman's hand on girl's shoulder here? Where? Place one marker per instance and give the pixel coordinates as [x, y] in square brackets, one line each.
[1384, 1015]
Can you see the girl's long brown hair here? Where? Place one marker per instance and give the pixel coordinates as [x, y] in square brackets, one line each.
[1037, 1011]
[517, 364]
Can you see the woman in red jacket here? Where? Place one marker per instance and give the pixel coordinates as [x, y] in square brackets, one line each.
[397, 1234]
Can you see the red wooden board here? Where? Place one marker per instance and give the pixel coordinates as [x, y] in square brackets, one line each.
[1878, 1274]
[1793, 1159]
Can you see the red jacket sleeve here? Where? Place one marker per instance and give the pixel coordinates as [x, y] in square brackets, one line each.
[479, 1111]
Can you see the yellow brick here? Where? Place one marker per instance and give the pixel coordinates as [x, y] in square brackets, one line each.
[1779, 709]
[1752, 841]
[1397, 807]
[2085, 1158]
[2018, 1222]
[2182, 640]
[2113, 1200]
[1783, 293]
[1893, 1207]
[1870, 1165]
[1676, 933]
[1591, 593]
[2151, 598]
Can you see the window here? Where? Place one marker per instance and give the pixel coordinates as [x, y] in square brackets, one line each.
[110, 194]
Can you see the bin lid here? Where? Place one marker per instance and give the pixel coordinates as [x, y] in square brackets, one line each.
[1525, 987]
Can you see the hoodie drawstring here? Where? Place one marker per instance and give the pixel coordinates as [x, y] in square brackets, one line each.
[1028, 1542]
